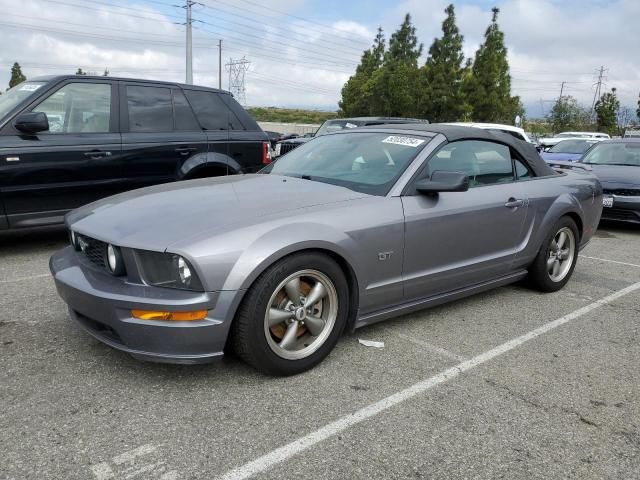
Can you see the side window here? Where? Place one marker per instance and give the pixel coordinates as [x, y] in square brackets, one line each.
[522, 171]
[185, 120]
[78, 108]
[212, 112]
[150, 109]
[485, 163]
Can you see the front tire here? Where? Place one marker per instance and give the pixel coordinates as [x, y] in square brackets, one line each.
[293, 315]
[556, 260]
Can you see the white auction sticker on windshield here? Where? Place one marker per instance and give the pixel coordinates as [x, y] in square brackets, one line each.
[29, 87]
[350, 125]
[406, 141]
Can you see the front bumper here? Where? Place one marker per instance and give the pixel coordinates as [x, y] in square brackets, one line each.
[624, 209]
[101, 304]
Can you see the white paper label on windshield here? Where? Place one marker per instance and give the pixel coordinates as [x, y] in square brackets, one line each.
[29, 87]
[406, 141]
[350, 125]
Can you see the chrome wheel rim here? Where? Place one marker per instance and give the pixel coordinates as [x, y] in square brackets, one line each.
[301, 314]
[561, 253]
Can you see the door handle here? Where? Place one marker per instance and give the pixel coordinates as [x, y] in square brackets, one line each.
[185, 150]
[514, 203]
[95, 154]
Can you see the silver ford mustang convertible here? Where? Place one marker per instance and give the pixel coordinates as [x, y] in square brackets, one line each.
[348, 229]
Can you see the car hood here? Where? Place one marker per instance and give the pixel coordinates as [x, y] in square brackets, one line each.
[617, 176]
[567, 157]
[153, 218]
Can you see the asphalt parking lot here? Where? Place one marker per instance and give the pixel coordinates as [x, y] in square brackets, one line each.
[506, 384]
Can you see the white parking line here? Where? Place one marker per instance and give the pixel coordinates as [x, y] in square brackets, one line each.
[610, 261]
[285, 452]
[19, 279]
[432, 348]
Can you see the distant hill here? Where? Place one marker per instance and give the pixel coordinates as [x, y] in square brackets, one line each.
[288, 115]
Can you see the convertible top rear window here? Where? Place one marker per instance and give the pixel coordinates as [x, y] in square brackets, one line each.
[362, 161]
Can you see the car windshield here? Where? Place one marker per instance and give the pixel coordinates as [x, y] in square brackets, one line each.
[572, 146]
[614, 154]
[361, 161]
[335, 125]
[17, 94]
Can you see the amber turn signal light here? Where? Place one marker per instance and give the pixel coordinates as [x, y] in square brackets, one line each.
[169, 316]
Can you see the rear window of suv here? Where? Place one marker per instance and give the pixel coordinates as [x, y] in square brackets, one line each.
[212, 112]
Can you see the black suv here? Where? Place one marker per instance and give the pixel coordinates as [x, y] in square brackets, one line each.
[69, 140]
[336, 124]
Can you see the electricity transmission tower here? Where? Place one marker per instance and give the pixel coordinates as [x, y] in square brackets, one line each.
[237, 70]
[598, 92]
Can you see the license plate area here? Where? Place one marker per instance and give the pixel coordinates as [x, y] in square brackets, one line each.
[607, 201]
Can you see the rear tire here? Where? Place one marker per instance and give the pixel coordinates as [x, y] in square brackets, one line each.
[556, 260]
[277, 330]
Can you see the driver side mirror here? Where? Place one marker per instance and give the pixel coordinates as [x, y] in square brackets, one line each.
[32, 122]
[443, 181]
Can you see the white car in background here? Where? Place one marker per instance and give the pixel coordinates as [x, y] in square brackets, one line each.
[510, 129]
[551, 141]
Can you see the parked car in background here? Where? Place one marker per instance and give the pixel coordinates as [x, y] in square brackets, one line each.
[274, 137]
[633, 132]
[570, 150]
[515, 132]
[69, 140]
[617, 164]
[547, 142]
[338, 124]
[352, 228]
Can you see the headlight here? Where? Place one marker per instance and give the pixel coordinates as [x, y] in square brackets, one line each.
[74, 240]
[113, 260]
[168, 270]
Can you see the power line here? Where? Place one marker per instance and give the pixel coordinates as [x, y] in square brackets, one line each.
[598, 86]
[289, 32]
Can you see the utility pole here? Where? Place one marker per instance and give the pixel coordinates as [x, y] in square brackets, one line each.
[189, 59]
[598, 91]
[562, 89]
[220, 64]
[237, 70]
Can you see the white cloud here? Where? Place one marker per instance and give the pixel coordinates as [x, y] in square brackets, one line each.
[300, 63]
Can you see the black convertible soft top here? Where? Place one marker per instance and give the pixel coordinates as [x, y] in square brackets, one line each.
[456, 132]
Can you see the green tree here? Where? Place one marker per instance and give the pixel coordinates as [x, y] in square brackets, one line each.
[638, 110]
[607, 112]
[441, 96]
[16, 75]
[80, 72]
[106, 72]
[488, 88]
[393, 87]
[567, 114]
[356, 100]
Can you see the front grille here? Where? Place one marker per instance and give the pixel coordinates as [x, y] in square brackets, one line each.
[93, 249]
[287, 147]
[624, 192]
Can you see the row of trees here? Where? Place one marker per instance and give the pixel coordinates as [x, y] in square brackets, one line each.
[611, 118]
[389, 81]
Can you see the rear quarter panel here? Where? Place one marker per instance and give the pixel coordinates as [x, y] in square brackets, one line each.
[575, 192]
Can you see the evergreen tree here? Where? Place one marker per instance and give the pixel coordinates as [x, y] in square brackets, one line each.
[393, 87]
[607, 112]
[16, 75]
[566, 114]
[489, 87]
[638, 110]
[80, 72]
[355, 97]
[441, 97]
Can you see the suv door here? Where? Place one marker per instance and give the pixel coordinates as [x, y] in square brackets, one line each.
[159, 133]
[75, 162]
[457, 239]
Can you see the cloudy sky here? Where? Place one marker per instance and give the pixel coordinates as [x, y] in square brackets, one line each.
[302, 51]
